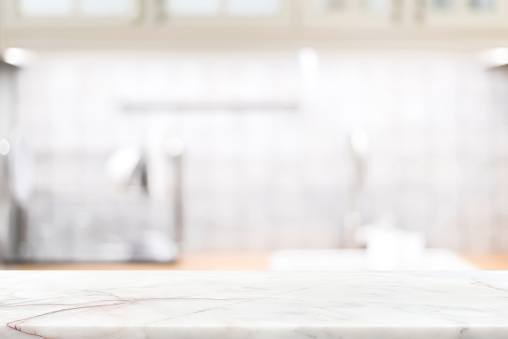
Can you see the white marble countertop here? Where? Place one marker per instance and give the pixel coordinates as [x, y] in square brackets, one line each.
[361, 259]
[227, 305]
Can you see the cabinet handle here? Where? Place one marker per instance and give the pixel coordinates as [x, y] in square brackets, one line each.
[141, 12]
[397, 10]
[420, 9]
[161, 15]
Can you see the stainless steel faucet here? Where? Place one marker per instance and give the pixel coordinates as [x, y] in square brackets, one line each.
[174, 148]
[157, 168]
[358, 144]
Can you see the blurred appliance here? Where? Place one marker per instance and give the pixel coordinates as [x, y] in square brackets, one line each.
[12, 211]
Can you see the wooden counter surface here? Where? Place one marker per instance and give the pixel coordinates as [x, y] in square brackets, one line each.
[198, 261]
[247, 261]
[498, 261]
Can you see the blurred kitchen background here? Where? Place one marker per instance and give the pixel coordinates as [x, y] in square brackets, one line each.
[241, 134]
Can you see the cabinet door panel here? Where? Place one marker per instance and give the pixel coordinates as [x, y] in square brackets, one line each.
[190, 8]
[109, 8]
[251, 8]
[466, 13]
[348, 13]
[38, 8]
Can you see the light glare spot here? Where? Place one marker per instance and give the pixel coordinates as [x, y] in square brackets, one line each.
[5, 147]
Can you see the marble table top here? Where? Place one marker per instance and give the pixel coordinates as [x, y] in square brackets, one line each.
[227, 305]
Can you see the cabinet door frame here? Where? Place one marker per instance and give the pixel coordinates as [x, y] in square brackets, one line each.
[15, 18]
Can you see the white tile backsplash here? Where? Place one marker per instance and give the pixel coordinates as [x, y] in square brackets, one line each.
[273, 179]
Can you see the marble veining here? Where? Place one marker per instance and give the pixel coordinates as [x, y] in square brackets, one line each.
[168, 304]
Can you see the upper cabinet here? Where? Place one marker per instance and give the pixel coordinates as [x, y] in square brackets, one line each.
[351, 13]
[463, 13]
[70, 13]
[298, 22]
[295, 14]
[213, 13]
